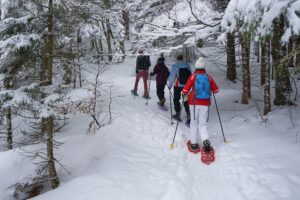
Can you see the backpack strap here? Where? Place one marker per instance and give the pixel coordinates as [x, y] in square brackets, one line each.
[194, 79]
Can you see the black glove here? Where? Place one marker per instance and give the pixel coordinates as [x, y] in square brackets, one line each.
[136, 71]
[151, 74]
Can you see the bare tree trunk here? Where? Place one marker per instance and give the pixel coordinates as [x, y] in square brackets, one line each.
[78, 59]
[9, 129]
[244, 40]
[8, 84]
[50, 155]
[67, 68]
[46, 66]
[231, 64]
[282, 83]
[48, 122]
[290, 50]
[125, 14]
[50, 43]
[122, 46]
[74, 74]
[263, 65]
[279, 96]
[248, 64]
[256, 51]
[79, 74]
[265, 60]
[67, 76]
[297, 47]
[101, 49]
[186, 54]
[272, 65]
[43, 72]
[107, 31]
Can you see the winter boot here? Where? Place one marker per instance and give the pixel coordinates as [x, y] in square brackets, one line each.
[193, 148]
[177, 117]
[206, 145]
[146, 97]
[162, 102]
[134, 93]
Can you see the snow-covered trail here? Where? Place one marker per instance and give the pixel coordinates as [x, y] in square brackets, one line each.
[131, 159]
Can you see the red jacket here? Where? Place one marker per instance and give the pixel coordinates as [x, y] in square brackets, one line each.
[189, 89]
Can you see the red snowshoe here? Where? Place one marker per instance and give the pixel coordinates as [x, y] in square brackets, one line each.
[193, 148]
[207, 153]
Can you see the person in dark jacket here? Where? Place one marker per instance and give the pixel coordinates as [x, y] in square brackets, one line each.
[142, 68]
[174, 78]
[162, 73]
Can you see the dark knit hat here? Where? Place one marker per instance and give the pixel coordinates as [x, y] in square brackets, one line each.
[160, 60]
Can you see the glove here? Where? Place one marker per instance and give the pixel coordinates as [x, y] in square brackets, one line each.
[151, 74]
[185, 97]
[136, 71]
[169, 84]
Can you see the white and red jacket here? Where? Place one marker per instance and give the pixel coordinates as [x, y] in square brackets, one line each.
[189, 89]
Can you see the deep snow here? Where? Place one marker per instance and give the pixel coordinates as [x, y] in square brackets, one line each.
[131, 159]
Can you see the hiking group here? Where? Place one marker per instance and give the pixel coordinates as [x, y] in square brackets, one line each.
[194, 88]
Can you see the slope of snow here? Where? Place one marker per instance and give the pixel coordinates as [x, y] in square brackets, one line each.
[131, 158]
[14, 168]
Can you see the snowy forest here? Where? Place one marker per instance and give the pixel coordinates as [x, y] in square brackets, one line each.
[71, 129]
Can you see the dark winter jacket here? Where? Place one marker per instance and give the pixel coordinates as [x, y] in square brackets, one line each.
[162, 72]
[142, 63]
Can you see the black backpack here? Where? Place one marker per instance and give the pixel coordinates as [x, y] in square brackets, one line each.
[184, 74]
[144, 62]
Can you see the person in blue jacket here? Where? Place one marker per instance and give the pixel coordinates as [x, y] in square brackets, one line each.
[179, 75]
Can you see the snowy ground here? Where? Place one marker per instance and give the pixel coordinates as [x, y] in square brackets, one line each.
[131, 159]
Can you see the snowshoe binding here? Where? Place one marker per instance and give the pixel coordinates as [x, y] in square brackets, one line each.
[193, 148]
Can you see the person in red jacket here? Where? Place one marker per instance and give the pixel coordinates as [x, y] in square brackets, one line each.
[199, 106]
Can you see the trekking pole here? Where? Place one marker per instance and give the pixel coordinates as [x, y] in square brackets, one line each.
[171, 105]
[148, 89]
[208, 114]
[219, 119]
[172, 145]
